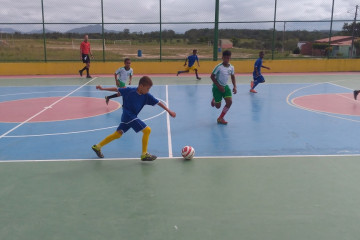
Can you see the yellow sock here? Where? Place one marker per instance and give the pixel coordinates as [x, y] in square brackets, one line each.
[145, 139]
[109, 138]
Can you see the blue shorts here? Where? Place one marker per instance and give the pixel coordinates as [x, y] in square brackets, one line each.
[135, 124]
[259, 79]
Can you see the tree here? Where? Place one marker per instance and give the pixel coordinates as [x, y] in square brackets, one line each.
[348, 29]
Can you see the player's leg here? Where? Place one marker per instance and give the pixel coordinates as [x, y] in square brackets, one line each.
[217, 97]
[107, 98]
[84, 58]
[87, 69]
[179, 72]
[138, 126]
[228, 102]
[356, 93]
[257, 80]
[117, 134]
[196, 73]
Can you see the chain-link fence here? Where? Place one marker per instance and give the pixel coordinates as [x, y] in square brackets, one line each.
[52, 30]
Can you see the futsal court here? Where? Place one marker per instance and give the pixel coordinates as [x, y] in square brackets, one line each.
[285, 167]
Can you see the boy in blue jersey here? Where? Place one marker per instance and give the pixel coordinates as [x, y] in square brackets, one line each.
[258, 78]
[220, 89]
[134, 99]
[191, 66]
[121, 76]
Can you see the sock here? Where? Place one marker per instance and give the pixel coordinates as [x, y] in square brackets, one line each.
[224, 111]
[87, 71]
[145, 139]
[83, 69]
[255, 83]
[112, 96]
[109, 138]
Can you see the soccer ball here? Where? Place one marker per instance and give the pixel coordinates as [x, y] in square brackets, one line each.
[188, 152]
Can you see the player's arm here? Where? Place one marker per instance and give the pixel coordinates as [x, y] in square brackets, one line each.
[185, 62]
[130, 78]
[221, 88]
[91, 54]
[234, 83]
[171, 113]
[198, 62]
[80, 52]
[265, 67]
[113, 89]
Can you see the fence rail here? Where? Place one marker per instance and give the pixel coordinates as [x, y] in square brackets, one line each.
[161, 38]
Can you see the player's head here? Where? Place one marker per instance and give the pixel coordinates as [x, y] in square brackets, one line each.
[86, 37]
[226, 56]
[145, 83]
[127, 62]
[261, 54]
[194, 51]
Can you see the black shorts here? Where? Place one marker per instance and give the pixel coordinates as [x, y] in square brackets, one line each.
[86, 58]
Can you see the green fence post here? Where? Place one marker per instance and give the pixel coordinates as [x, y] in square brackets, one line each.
[160, 35]
[216, 31]
[102, 28]
[273, 43]
[44, 34]
[331, 22]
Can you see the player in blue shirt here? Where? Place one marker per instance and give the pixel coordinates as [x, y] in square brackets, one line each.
[191, 66]
[134, 99]
[258, 78]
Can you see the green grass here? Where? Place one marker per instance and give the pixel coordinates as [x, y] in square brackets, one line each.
[68, 50]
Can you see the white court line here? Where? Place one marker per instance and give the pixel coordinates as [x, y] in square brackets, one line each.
[45, 108]
[180, 158]
[168, 125]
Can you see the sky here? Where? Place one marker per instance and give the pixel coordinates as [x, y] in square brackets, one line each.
[147, 13]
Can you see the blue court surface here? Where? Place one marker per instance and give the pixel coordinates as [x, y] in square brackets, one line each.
[285, 167]
[262, 124]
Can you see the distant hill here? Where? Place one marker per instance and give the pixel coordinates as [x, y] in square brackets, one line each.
[89, 29]
[8, 30]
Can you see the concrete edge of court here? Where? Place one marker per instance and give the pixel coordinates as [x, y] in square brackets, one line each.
[171, 67]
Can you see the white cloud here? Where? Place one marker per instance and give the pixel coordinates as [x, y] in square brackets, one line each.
[141, 11]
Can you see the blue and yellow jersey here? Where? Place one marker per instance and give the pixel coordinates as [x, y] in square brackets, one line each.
[133, 102]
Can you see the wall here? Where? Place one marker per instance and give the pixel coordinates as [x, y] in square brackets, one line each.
[241, 66]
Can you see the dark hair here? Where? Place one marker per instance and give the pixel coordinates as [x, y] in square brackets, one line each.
[226, 53]
[145, 81]
[127, 59]
[195, 50]
[261, 52]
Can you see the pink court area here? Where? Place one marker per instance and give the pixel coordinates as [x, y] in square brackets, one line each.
[336, 103]
[49, 109]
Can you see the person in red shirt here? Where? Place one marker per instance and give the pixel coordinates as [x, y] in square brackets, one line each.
[84, 55]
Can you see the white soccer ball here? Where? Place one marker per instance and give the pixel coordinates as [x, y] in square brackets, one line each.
[188, 152]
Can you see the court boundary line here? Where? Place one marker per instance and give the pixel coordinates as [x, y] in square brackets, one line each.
[45, 108]
[180, 158]
[168, 124]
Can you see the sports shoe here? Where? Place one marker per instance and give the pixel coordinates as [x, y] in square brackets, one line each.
[356, 93]
[107, 100]
[199, 78]
[88, 76]
[213, 103]
[253, 91]
[148, 157]
[252, 84]
[177, 73]
[97, 151]
[80, 72]
[221, 121]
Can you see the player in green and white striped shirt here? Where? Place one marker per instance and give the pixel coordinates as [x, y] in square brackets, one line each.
[121, 76]
[220, 76]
